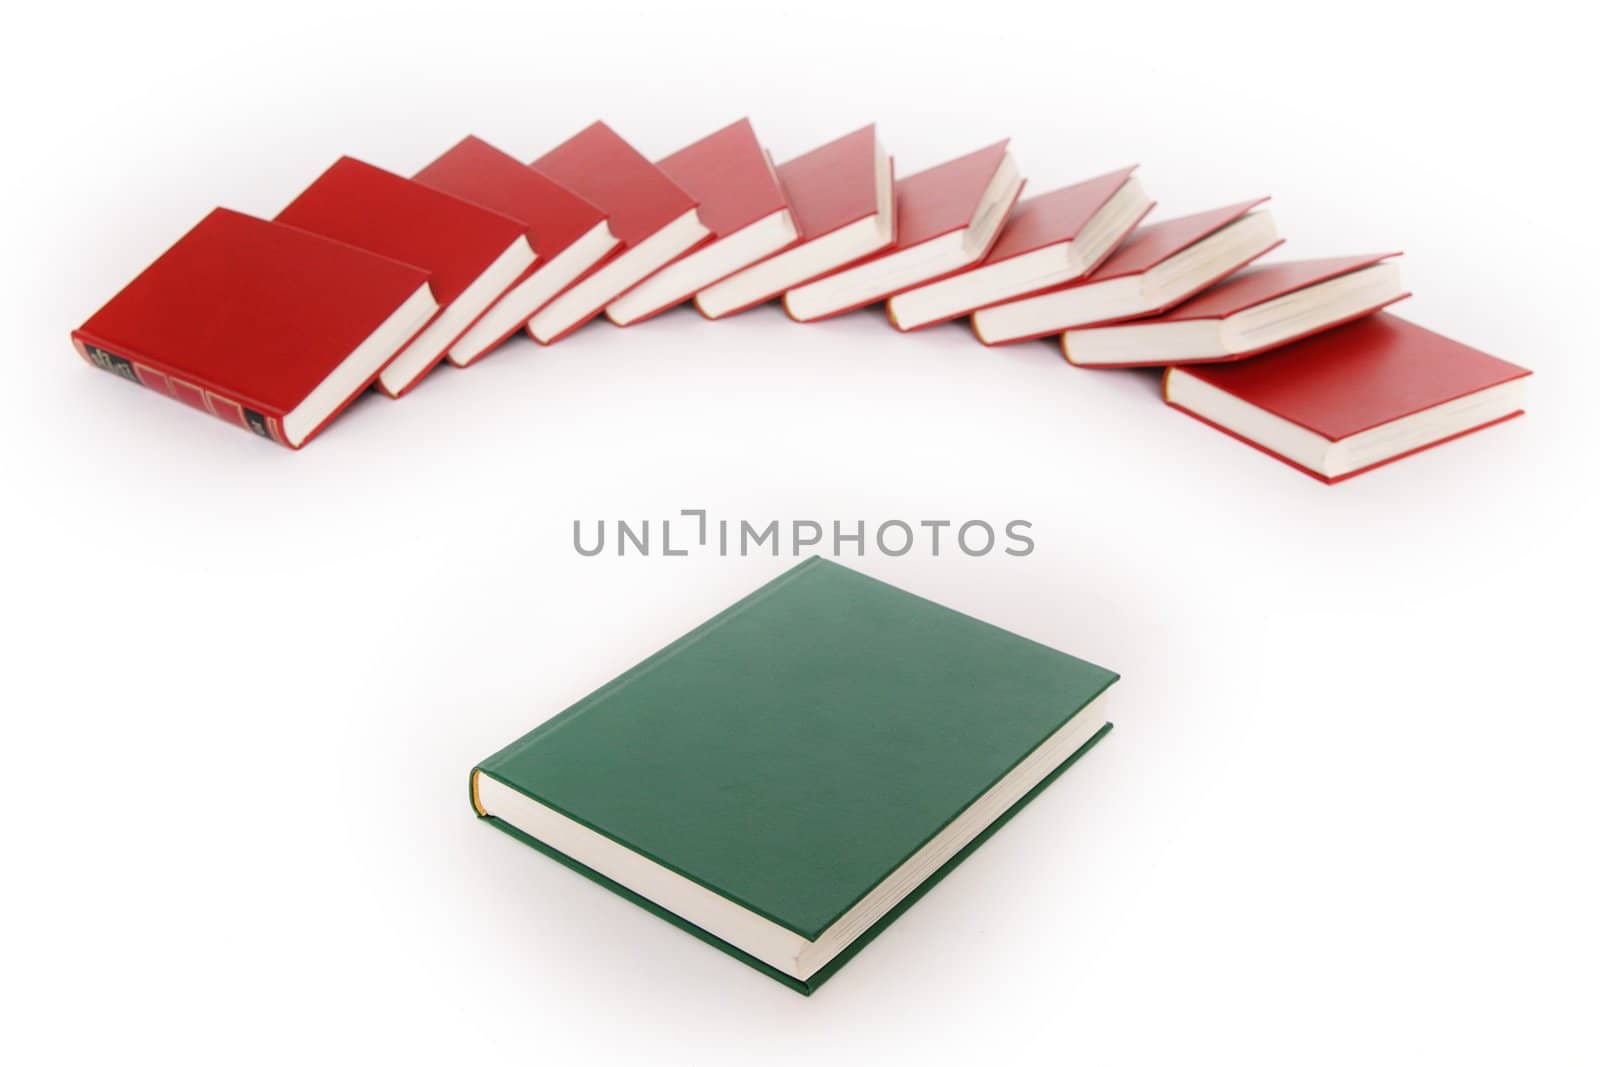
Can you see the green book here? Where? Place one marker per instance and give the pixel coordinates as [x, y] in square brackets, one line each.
[783, 781]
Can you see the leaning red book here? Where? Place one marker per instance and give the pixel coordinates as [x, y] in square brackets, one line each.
[569, 235]
[1158, 267]
[652, 216]
[473, 254]
[841, 197]
[1352, 398]
[263, 325]
[732, 179]
[1049, 240]
[946, 219]
[1253, 311]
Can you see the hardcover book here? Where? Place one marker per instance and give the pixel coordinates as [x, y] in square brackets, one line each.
[783, 781]
[235, 320]
[1049, 240]
[569, 235]
[472, 254]
[841, 197]
[652, 216]
[946, 218]
[1252, 311]
[1353, 398]
[1158, 267]
[731, 177]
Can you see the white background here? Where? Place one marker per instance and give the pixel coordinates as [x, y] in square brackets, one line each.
[1349, 809]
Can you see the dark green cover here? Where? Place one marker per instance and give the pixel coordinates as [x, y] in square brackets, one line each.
[797, 748]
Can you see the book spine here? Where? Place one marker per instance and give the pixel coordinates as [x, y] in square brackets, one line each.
[235, 410]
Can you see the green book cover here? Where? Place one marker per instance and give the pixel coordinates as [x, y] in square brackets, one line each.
[787, 778]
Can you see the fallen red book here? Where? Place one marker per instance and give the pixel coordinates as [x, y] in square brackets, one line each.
[569, 235]
[741, 202]
[1252, 311]
[1048, 240]
[472, 254]
[1157, 267]
[268, 327]
[946, 219]
[651, 215]
[1352, 398]
[841, 197]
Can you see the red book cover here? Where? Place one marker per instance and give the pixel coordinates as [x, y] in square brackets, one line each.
[833, 192]
[1054, 217]
[636, 195]
[730, 176]
[473, 254]
[833, 186]
[943, 199]
[236, 319]
[1364, 376]
[1213, 326]
[475, 170]
[934, 203]
[641, 202]
[559, 223]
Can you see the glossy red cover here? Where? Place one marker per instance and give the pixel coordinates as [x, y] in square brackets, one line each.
[1054, 217]
[236, 318]
[1256, 285]
[1362, 375]
[729, 175]
[601, 167]
[371, 208]
[942, 199]
[830, 187]
[554, 215]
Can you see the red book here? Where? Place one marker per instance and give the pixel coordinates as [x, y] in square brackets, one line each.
[946, 219]
[569, 235]
[1251, 312]
[1156, 268]
[265, 326]
[652, 217]
[741, 203]
[474, 255]
[1048, 240]
[841, 197]
[1353, 398]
